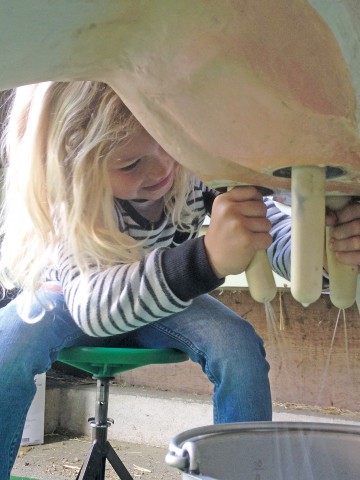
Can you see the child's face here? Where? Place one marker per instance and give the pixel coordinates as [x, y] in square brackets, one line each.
[141, 169]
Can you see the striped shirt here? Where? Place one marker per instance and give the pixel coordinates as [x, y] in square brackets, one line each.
[280, 249]
[165, 281]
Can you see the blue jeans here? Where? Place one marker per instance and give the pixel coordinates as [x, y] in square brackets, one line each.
[229, 351]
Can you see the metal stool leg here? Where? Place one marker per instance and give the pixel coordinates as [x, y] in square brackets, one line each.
[101, 450]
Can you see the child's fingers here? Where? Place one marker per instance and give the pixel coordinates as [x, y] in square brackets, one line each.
[258, 225]
[262, 240]
[351, 244]
[346, 230]
[231, 207]
[252, 208]
[331, 218]
[349, 213]
[349, 258]
[240, 194]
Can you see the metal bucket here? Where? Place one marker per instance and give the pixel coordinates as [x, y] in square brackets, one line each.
[268, 451]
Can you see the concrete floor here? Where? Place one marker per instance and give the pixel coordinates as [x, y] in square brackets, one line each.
[61, 458]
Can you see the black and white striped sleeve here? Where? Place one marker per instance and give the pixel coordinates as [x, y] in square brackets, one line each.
[279, 252]
[120, 298]
[125, 297]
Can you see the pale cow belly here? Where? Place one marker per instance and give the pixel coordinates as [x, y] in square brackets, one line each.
[239, 92]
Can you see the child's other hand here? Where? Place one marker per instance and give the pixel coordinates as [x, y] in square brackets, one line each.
[345, 241]
[238, 229]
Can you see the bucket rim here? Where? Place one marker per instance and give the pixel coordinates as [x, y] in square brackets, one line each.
[196, 434]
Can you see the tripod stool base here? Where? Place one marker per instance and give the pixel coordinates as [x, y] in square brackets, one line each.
[93, 467]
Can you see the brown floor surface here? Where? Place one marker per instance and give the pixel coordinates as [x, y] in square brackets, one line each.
[61, 457]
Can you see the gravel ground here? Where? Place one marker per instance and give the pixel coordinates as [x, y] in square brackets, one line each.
[61, 457]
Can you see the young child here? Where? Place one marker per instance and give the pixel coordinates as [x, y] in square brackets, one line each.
[100, 233]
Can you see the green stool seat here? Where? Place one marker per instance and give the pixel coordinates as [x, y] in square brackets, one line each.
[106, 362]
[21, 478]
[103, 364]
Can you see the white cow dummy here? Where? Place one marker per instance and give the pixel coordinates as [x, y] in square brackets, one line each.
[234, 89]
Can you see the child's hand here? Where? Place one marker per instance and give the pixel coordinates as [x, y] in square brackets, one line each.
[346, 233]
[238, 229]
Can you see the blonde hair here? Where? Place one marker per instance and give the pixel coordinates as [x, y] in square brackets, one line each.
[57, 142]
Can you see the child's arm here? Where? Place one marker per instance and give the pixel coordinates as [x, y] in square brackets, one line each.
[126, 296]
[166, 280]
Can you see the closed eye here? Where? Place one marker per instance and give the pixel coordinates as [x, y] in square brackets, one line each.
[131, 166]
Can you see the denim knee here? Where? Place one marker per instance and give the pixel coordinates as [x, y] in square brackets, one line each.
[36, 343]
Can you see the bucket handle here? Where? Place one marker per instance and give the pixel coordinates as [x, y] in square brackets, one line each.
[187, 459]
